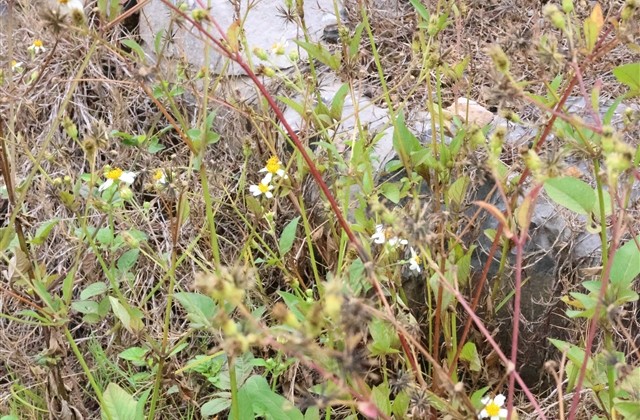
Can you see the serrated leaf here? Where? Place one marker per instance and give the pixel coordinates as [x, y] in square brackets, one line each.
[118, 404]
[571, 193]
[288, 236]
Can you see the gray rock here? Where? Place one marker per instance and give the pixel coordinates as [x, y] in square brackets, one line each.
[263, 27]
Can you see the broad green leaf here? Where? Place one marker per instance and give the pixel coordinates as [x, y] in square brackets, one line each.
[380, 397]
[571, 193]
[105, 236]
[400, 405]
[215, 406]
[118, 404]
[354, 44]
[136, 355]
[469, 354]
[128, 259]
[131, 318]
[457, 191]
[288, 236]
[85, 306]
[629, 74]
[43, 231]
[200, 308]
[257, 394]
[94, 289]
[391, 191]
[385, 338]
[626, 264]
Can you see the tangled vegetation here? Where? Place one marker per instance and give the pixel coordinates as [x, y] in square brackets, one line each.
[182, 242]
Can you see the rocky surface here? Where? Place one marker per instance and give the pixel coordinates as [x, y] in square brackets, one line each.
[263, 26]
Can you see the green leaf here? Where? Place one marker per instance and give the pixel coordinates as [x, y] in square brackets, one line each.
[571, 193]
[215, 406]
[135, 47]
[405, 142]
[469, 354]
[118, 404]
[422, 11]
[380, 397]
[354, 44]
[321, 54]
[105, 236]
[626, 264]
[131, 318]
[629, 74]
[128, 260]
[385, 338]
[391, 191]
[43, 231]
[288, 236]
[457, 191]
[85, 306]
[338, 102]
[629, 409]
[200, 308]
[257, 393]
[94, 289]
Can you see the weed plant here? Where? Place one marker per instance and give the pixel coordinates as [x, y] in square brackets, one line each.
[173, 248]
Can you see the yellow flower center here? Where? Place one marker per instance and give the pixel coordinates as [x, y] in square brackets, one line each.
[493, 409]
[418, 261]
[158, 174]
[63, 1]
[37, 43]
[273, 164]
[263, 187]
[14, 63]
[114, 174]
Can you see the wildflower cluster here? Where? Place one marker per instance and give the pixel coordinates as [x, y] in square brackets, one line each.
[385, 236]
[273, 168]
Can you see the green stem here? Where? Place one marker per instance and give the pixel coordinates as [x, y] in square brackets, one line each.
[235, 408]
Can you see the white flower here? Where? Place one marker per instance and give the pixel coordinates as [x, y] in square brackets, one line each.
[381, 236]
[264, 187]
[37, 47]
[414, 261]
[274, 167]
[280, 47]
[119, 175]
[493, 408]
[160, 178]
[75, 8]
[16, 66]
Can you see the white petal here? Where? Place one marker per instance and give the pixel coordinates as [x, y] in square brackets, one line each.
[499, 400]
[105, 185]
[503, 413]
[267, 178]
[255, 190]
[485, 400]
[483, 414]
[268, 194]
[128, 177]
